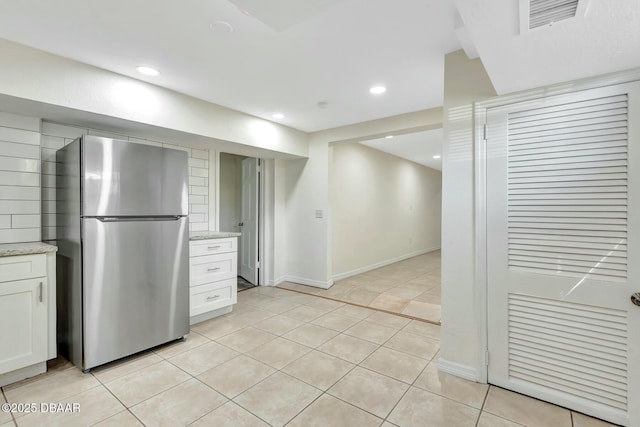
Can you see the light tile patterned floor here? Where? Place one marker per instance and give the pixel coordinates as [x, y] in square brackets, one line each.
[282, 358]
[410, 287]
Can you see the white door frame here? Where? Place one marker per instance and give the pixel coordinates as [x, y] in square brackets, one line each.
[480, 188]
[265, 213]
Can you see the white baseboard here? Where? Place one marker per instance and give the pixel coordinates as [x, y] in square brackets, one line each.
[23, 373]
[457, 369]
[370, 267]
[304, 281]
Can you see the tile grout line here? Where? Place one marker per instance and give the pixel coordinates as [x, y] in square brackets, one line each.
[407, 316]
[4, 396]
[127, 408]
[486, 395]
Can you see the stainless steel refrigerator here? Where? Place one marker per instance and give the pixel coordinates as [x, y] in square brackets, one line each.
[123, 267]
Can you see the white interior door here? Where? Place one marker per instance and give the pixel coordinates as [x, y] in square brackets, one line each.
[563, 225]
[249, 246]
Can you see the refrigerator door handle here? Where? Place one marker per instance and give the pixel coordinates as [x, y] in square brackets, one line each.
[137, 218]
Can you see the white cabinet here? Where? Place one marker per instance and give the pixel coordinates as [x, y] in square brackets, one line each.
[213, 272]
[23, 323]
[27, 315]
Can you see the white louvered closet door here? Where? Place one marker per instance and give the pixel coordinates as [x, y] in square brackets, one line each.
[563, 250]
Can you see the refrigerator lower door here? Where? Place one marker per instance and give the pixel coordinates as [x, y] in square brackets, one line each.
[135, 285]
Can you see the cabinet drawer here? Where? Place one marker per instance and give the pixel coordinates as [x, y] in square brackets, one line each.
[211, 268]
[212, 296]
[22, 267]
[213, 246]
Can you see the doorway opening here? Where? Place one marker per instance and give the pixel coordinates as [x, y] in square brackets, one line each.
[385, 196]
[239, 210]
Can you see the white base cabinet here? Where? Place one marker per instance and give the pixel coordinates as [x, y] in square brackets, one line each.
[213, 272]
[23, 327]
[27, 315]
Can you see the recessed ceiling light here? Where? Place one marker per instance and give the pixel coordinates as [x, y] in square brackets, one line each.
[277, 116]
[377, 90]
[436, 157]
[221, 27]
[388, 136]
[147, 71]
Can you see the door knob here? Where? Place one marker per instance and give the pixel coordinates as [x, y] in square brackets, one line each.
[635, 298]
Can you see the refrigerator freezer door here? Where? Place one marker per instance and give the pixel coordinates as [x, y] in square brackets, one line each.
[136, 286]
[121, 178]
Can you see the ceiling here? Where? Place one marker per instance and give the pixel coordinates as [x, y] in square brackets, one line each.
[419, 147]
[284, 57]
[262, 57]
[604, 40]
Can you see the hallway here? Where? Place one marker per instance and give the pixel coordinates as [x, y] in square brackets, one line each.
[410, 287]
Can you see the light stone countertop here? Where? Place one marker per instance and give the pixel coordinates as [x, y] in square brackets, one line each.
[202, 235]
[13, 249]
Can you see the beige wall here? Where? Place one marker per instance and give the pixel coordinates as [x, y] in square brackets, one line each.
[309, 258]
[384, 208]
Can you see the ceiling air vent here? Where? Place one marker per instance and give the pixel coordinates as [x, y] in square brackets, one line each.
[540, 13]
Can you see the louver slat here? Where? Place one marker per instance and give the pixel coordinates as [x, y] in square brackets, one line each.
[568, 189]
[570, 347]
[545, 12]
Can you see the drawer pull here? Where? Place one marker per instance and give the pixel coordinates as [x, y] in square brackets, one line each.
[213, 297]
[213, 247]
[40, 292]
[213, 269]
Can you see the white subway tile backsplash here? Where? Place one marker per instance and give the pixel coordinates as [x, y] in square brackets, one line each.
[15, 164]
[48, 206]
[49, 233]
[48, 220]
[63, 131]
[48, 167]
[20, 136]
[48, 181]
[200, 172]
[25, 151]
[19, 122]
[200, 154]
[197, 217]
[14, 192]
[48, 155]
[20, 178]
[197, 190]
[16, 235]
[52, 142]
[48, 193]
[52, 139]
[197, 200]
[199, 208]
[25, 221]
[19, 207]
[196, 180]
[197, 163]
[198, 226]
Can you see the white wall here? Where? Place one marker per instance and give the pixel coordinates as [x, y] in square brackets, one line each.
[384, 208]
[465, 81]
[58, 87]
[19, 178]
